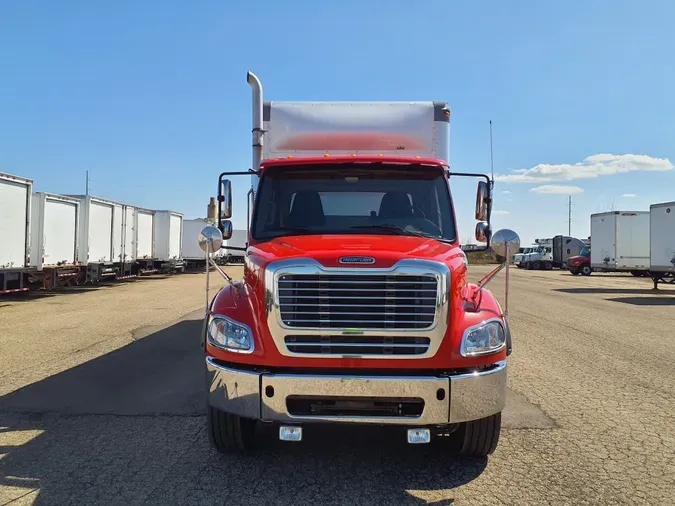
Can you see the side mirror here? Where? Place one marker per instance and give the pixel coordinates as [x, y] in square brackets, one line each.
[482, 232]
[211, 239]
[505, 243]
[482, 201]
[225, 196]
[226, 228]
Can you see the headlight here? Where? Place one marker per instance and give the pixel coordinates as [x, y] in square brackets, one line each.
[483, 339]
[229, 335]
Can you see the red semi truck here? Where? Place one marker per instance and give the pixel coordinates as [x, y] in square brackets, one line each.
[355, 305]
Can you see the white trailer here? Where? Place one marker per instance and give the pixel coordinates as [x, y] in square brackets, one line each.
[238, 240]
[15, 215]
[55, 234]
[192, 253]
[100, 236]
[662, 242]
[620, 242]
[125, 241]
[145, 241]
[168, 240]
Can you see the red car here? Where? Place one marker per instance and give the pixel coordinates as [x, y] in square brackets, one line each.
[580, 264]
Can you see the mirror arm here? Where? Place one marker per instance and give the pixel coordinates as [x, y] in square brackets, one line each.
[490, 184]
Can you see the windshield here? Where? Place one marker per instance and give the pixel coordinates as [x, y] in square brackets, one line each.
[585, 252]
[353, 199]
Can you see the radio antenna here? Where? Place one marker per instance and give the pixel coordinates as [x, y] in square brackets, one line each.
[492, 166]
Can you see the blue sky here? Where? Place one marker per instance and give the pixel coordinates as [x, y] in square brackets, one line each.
[151, 96]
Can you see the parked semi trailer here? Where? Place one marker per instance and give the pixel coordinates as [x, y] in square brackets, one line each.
[15, 215]
[356, 319]
[620, 242]
[55, 235]
[145, 241]
[662, 242]
[168, 232]
[100, 237]
[125, 244]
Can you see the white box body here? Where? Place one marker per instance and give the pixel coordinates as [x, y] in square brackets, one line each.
[621, 240]
[128, 239]
[100, 230]
[168, 235]
[662, 237]
[405, 129]
[55, 230]
[15, 215]
[190, 246]
[145, 234]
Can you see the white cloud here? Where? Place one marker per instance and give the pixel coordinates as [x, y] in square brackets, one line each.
[592, 167]
[556, 189]
[629, 195]
[502, 212]
[506, 192]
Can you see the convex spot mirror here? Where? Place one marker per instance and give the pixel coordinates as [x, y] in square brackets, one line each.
[211, 239]
[482, 200]
[502, 240]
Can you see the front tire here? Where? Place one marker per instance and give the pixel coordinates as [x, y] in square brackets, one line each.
[229, 433]
[479, 438]
[536, 266]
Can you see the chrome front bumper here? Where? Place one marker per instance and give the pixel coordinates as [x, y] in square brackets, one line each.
[263, 396]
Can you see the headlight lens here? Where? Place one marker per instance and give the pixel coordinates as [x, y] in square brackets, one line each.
[488, 337]
[230, 335]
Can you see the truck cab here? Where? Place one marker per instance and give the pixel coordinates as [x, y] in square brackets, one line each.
[519, 257]
[581, 263]
[355, 307]
[540, 257]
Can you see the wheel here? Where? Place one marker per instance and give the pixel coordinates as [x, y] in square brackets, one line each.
[586, 270]
[637, 274]
[575, 272]
[479, 438]
[536, 265]
[548, 266]
[229, 433]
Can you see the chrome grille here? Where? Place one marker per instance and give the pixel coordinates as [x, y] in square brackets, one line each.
[357, 345]
[363, 301]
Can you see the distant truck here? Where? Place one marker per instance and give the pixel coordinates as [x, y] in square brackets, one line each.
[519, 257]
[541, 257]
[662, 242]
[564, 247]
[581, 263]
[621, 242]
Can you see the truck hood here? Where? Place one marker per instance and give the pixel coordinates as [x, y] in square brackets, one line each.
[386, 250]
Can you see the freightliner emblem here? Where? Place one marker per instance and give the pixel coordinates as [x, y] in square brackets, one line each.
[356, 260]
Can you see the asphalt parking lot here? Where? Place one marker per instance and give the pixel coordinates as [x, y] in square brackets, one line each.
[101, 402]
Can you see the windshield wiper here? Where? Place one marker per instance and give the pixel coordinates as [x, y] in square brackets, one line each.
[401, 231]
